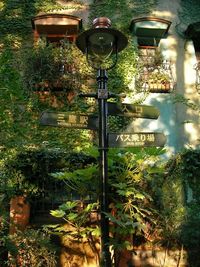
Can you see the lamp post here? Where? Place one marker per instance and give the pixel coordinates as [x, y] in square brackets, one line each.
[99, 43]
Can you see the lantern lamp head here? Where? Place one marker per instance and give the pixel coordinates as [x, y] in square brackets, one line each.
[100, 42]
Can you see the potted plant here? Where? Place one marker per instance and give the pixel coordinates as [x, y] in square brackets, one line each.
[51, 70]
[155, 73]
[159, 80]
[17, 189]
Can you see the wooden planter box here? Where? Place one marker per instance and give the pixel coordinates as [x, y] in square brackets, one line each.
[159, 87]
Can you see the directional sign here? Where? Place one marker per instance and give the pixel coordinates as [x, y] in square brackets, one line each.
[69, 120]
[136, 139]
[135, 111]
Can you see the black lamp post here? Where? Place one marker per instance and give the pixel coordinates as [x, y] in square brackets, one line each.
[99, 43]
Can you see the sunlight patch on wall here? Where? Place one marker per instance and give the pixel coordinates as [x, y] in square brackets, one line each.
[189, 71]
[162, 14]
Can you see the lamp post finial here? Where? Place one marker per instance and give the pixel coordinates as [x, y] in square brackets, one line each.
[101, 22]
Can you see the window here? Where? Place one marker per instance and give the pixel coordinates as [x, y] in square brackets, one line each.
[56, 27]
[55, 75]
[149, 30]
[155, 73]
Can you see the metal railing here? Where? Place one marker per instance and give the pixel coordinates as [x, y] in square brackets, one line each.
[154, 73]
[155, 77]
[197, 82]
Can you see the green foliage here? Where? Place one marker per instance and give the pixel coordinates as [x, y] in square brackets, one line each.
[77, 217]
[18, 172]
[4, 226]
[122, 76]
[187, 166]
[190, 232]
[80, 181]
[15, 18]
[177, 193]
[24, 172]
[118, 123]
[130, 204]
[121, 11]
[12, 114]
[46, 67]
[19, 114]
[189, 13]
[32, 248]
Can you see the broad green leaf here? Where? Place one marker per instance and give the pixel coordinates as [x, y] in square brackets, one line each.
[72, 216]
[57, 213]
[69, 205]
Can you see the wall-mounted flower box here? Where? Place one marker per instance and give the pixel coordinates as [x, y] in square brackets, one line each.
[155, 81]
[155, 74]
[52, 71]
[159, 81]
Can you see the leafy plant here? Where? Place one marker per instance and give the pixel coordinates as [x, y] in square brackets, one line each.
[77, 216]
[130, 204]
[32, 248]
[154, 73]
[47, 67]
[159, 76]
[177, 194]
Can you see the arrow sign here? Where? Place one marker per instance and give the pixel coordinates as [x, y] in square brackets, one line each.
[135, 111]
[69, 120]
[136, 139]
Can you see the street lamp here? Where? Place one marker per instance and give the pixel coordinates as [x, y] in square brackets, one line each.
[101, 44]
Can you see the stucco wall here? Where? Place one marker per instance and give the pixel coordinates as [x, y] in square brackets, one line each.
[178, 122]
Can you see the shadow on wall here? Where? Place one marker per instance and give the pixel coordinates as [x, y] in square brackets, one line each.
[165, 123]
[158, 258]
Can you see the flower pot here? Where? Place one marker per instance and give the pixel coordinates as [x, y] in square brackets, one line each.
[19, 214]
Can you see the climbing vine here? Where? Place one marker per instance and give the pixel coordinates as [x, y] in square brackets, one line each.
[15, 17]
[189, 13]
[121, 11]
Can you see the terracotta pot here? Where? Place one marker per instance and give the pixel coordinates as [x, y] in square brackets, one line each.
[19, 214]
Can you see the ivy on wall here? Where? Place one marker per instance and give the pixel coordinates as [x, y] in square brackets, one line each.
[121, 11]
[15, 17]
[189, 12]
[180, 198]
[20, 125]
[20, 111]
